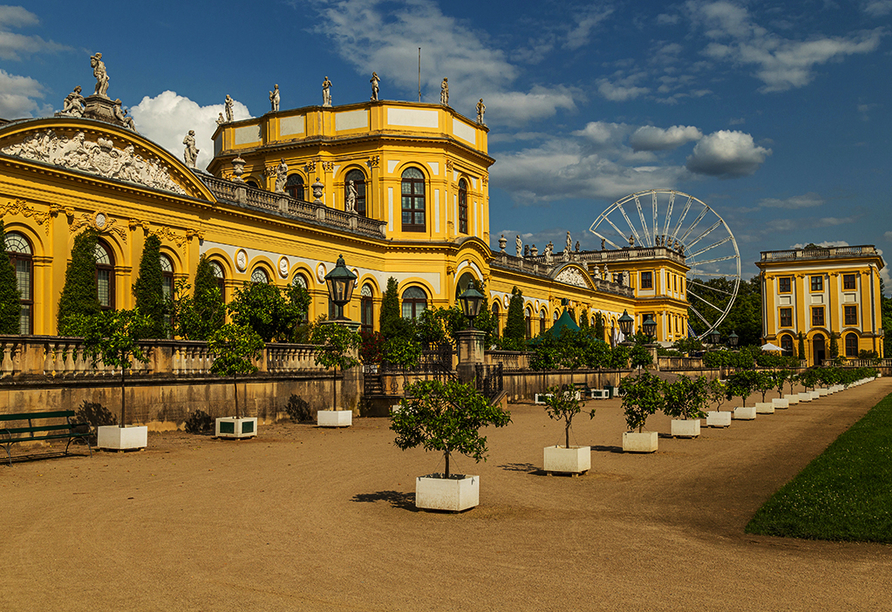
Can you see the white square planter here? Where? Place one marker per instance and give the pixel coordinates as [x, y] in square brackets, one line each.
[745, 413]
[433, 492]
[823, 391]
[685, 428]
[717, 418]
[334, 418]
[792, 400]
[764, 407]
[645, 442]
[805, 396]
[573, 460]
[815, 394]
[112, 437]
[780, 402]
[236, 427]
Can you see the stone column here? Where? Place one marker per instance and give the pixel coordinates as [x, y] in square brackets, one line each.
[470, 352]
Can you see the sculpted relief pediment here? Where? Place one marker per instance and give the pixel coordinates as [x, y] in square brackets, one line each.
[100, 157]
[572, 275]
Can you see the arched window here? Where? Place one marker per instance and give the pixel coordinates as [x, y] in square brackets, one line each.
[463, 206]
[851, 345]
[819, 349]
[787, 344]
[583, 320]
[166, 276]
[463, 282]
[366, 309]
[414, 302]
[358, 179]
[495, 315]
[300, 280]
[252, 183]
[294, 186]
[221, 280]
[105, 276]
[542, 318]
[259, 275]
[413, 207]
[20, 256]
[528, 319]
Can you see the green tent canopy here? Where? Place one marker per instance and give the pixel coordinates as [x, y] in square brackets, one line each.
[565, 321]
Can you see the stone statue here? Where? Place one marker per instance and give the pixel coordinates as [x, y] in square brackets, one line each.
[518, 243]
[503, 242]
[569, 242]
[534, 252]
[597, 273]
[227, 107]
[444, 91]
[281, 176]
[74, 103]
[100, 74]
[326, 92]
[190, 155]
[625, 278]
[549, 253]
[374, 81]
[577, 246]
[350, 204]
[602, 244]
[631, 239]
[121, 115]
[481, 110]
[606, 273]
[274, 98]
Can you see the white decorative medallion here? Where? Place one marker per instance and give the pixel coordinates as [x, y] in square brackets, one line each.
[320, 272]
[241, 260]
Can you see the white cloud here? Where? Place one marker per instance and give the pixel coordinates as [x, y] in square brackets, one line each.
[168, 117]
[388, 42]
[621, 91]
[806, 200]
[19, 97]
[727, 154]
[824, 245]
[14, 46]
[878, 8]
[650, 138]
[586, 22]
[780, 63]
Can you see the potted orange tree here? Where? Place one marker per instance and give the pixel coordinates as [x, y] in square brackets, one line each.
[562, 404]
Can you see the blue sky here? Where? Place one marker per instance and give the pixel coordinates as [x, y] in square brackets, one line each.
[776, 114]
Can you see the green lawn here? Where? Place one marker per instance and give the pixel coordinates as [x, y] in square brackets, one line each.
[844, 494]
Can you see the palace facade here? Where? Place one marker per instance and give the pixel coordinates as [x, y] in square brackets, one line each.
[399, 189]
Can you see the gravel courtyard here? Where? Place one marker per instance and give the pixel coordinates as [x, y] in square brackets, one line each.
[302, 518]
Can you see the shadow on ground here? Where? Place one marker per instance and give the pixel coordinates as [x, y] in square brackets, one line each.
[397, 499]
[607, 449]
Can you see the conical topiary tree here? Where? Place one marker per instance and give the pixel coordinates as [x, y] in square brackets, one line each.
[78, 297]
[515, 328]
[10, 306]
[149, 289]
[390, 319]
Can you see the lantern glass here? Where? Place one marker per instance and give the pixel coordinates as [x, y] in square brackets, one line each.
[733, 339]
[471, 302]
[650, 327]
[340, 283]
[714, 336]
[625, 323]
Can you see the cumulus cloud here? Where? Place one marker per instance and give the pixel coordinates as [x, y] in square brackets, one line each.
[878, 8]
[806, 200]
[16, 46]
[621, 91]
[727, 154]
[780, 63]
[19, 97]
[389, 38]
[586, 21]
[168, 117]
[650, 138]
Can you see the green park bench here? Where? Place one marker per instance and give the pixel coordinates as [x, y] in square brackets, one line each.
[10, 434]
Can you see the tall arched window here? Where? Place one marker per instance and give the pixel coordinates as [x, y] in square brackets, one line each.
[414, 302]
[819, 355]
[366, 309]
[851, 345]
[495, 316]
[105, 276]
[20, 256]
[787, 344]
[259, 275]
[413, 207]
[542, 319]
[528, 319]
[358, 179]
[294, 186]
[463, 206]
[300, 280]
[166, 276]
[221, 279]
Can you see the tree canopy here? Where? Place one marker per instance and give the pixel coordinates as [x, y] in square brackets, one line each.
[79, 292]
[10, 307]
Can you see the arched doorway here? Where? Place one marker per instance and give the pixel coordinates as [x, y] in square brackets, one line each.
[818, 343]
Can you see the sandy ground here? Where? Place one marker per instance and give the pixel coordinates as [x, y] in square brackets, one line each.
[307, 519]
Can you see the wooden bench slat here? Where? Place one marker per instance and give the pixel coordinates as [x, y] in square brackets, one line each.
[25, 416]
[18, 430]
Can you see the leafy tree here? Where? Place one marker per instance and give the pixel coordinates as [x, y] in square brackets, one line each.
[561, 404]
[79, 300]
[640, 356]
[337, 344]
[764, 382]
[718, 393]
[445, 417]
[802, 346]
[515, 327]
[741, 384]
[113, 336]
[391, 319]
[834, 345]
[643, 396]
[781, 377]
[745, 316]
[599, 326]
[685, 398]
[234, 347]
[809, 378]
[372, 348]
[149, 289]
[10, 307]
[265, 309]
[198, 316]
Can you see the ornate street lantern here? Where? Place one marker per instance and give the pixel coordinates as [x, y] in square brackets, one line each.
[625, 323]
[340, 283]
[650, 327]
[471, 302]
[714, 336]
[733, 339]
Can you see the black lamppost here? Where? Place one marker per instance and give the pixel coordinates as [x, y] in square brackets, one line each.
[714, 337]
[340, 283]
[733, 339]
[650, 327]
[471, 303]
[625, 324]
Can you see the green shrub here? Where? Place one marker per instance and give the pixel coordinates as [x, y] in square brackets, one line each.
[199, 422]
[298, 409]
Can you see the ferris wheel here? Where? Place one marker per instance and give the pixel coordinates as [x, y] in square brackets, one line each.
[682, 223]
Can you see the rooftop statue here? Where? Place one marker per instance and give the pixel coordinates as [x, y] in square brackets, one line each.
[481, 110]
[374, 81]
[350, 203]
[227, 107]
[281, 176]
[274, 98]
[518, 244]
[121, 115]
[190, 155]
[326, 92]
[74, 103]
[444, 91]
[100, 74]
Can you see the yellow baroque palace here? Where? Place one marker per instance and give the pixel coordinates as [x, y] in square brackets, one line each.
[399, 189]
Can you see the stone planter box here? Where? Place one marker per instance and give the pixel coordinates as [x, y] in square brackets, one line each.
[780, 402]
[764, 407]
[645, 442]
[745, 413]
[823, 391]
[815, 394]
[684, 428]
[236, 428]
[717, 418]
[112, 437]
[792, 400]
[334, 418]
[562, 460]
[456, 493]
[805, 396]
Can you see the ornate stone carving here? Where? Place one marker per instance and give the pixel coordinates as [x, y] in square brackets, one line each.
[74, 103]
[518, 246]
[281, 176]
[449, 165]
[350, 202]
[373, 161]
[190, 155]
[101, 158]
[274, 98]
[328, 166]
[503, 242]
[101, 75]
[481, 110]
[20, 207]
[444, 92]
[310, 167]
[374, 81]
[101, 223]
[326, 92]
[227, 107]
